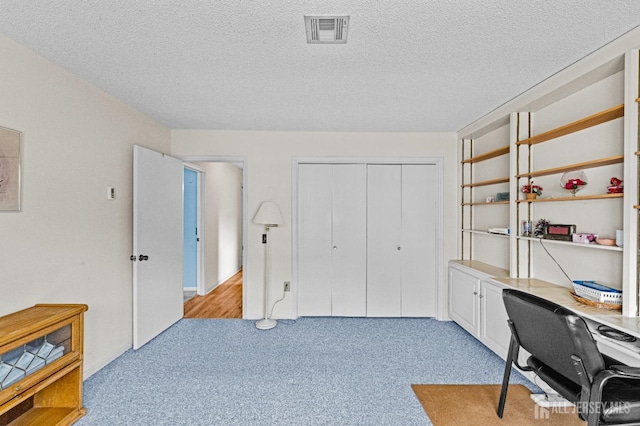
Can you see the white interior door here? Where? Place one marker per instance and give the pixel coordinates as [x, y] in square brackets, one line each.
[157, 243]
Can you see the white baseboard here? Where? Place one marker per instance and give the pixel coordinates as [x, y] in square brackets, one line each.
[91, 370]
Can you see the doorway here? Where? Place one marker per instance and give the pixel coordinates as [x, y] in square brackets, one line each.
[222, 235]
[191, 243]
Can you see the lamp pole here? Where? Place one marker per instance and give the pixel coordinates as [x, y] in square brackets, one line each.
[266, 323]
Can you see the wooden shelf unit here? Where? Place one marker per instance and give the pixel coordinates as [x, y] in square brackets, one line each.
[593, 120]
[52, 394]
[470, 215]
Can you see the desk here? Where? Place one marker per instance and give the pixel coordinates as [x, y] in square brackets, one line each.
[627, 352]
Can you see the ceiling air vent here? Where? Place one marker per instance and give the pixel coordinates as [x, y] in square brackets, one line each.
[326, 29]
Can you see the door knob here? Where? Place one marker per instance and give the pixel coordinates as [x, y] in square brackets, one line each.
[143, 257]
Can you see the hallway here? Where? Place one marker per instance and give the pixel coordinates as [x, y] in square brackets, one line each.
[224, 302]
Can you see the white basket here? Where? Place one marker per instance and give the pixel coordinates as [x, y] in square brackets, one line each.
[598, 295]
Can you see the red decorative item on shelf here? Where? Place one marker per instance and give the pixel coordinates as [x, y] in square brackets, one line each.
[532, 189]
[616, 186]
[573, 181]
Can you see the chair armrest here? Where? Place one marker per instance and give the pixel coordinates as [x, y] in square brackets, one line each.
[626, 371]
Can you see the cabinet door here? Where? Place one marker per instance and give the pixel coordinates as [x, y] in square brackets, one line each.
[494, 330]
[314, 239]
[418, 270]
[349, 246]
[463, 300]
[384, 229]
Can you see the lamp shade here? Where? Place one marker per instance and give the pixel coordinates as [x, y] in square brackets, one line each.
[268, 214]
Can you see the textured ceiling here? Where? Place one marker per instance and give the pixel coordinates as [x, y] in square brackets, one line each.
[430, 65]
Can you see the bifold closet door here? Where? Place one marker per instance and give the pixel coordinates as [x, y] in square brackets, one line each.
[314, 239]
[332, 250]
[418, 269]
[349, 245]
[384, 240]
[401, 249]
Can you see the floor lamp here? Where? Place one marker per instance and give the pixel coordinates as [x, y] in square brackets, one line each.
[268, 215]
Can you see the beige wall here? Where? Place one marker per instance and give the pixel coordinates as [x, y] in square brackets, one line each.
[70, 244]
[269, 177]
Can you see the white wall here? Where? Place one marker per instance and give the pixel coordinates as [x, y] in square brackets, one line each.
[70, 244]
[269, 163]
[223, 222]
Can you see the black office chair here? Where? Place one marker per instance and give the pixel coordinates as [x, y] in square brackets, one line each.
[565, 356]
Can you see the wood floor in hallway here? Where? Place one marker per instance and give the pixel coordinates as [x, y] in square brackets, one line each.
[225, 301]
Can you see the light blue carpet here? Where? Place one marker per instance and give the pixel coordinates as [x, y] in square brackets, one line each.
[315, 371]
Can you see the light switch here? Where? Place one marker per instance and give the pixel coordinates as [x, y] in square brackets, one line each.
[111, 193]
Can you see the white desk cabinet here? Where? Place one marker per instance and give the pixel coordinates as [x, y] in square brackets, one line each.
[463, 301]
[475, 303]
[494, 330]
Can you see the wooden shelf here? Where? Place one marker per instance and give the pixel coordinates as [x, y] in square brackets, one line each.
[571, 243]
[576, 126]
[617, 159]
[576, 198]
[486, 182]
[484, 203]
[477, 231]
[487, 156]
[49, 416]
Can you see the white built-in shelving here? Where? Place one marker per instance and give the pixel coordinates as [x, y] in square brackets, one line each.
[585, 118]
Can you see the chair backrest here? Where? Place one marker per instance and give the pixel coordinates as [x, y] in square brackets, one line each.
[552, 333]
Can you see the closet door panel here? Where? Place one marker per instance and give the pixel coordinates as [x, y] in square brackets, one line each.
[349, 248]
[314, 239]
[383, 240]
[419, 240]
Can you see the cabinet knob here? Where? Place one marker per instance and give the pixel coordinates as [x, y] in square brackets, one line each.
[399, 248]
[335, 247]
[475, 293]
[481, 296]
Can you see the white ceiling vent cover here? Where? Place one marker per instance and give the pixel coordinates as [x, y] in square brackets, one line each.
[326, 29]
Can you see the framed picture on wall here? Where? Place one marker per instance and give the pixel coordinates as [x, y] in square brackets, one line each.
[10, 161]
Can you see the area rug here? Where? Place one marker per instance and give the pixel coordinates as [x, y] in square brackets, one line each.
[477, 404]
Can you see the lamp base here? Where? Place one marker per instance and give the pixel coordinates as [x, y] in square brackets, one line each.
[266, 324]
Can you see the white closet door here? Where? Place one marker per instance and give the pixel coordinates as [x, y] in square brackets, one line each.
[314, 239]
[419, 240]
[384, 248]
[349, 248]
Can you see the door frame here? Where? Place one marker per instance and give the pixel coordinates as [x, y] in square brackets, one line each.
[438, 162]
[236, 160]
[200, 223]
